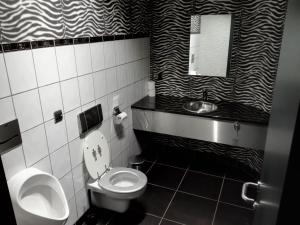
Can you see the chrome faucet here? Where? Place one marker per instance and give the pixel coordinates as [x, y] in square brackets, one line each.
[205, 94]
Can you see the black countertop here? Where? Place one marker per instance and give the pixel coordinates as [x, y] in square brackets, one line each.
[231, 111]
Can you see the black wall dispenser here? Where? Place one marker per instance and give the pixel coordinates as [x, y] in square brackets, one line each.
[90, 119]
[10, 136]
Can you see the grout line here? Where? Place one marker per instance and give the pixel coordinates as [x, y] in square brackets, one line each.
[156, 185]
[174, 195]
[209, 174]
[150, 167]
[173, 221]
[176, 167]
[238, 206]
[199, 196]
[236, 180]
[215, 213]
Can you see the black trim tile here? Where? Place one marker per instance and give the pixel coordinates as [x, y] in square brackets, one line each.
[83, 40]
[229, 215]
[119, 37]
[61, 42]
[231, 193]
[108, 38]
[191, 210]
[201, 184]
[165, 176]
[1, 50]
[16, 46]
[96, 39]
[155, 200]
[42, 44]
[129, 36]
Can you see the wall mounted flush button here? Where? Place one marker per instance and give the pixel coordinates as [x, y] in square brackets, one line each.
[58, 116]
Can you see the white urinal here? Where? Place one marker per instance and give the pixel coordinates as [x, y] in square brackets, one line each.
[38, 198]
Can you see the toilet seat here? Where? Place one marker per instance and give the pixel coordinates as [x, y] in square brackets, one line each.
[123, 180]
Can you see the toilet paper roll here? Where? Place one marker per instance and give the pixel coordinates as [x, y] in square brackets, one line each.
[151, 93]
[120, 117]
[151, 85]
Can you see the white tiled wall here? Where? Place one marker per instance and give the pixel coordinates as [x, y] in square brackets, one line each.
[35, 83]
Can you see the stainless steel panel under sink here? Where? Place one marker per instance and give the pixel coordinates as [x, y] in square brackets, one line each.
[200, 107]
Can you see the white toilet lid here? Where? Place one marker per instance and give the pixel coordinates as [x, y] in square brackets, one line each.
[96, 153]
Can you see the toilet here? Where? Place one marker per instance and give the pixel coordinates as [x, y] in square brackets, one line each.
[110, 188]
[38, 198]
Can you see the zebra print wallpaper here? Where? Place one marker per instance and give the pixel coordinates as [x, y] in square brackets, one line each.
[27, 20]
[255, 57]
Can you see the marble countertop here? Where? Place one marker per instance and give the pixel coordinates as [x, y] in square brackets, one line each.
[231, 111]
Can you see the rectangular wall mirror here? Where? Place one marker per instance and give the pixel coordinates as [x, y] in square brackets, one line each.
[210, 45]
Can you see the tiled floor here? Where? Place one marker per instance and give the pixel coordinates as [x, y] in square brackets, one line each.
[185, 195]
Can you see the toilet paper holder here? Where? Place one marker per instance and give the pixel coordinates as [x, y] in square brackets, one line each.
[118, 116]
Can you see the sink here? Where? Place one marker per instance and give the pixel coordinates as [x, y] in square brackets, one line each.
[200, 107]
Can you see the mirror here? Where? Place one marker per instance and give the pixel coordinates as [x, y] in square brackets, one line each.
[210, 45]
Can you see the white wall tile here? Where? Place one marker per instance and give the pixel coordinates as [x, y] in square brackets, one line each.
[88, 106]
[97, 56]
[83, 59]
[28, 109]
[66, 62]
[13, 162]
[86, 87]
[4, 85]
[82, 202]
[105, 129]
[73, 212]
[45, 66]
[120, 52]
[122, 76]
[60, 161]
[44, 165]
[7, 112]
[34, 145]
[72, 124]
[79, 177]
[104, 106]
[51, 100]
[70, 94]
[56, 135]
[111, 80]
[100, 84]
[109, 54]
[76, 152]
[67, 184]
[22, 77]
[115, 147]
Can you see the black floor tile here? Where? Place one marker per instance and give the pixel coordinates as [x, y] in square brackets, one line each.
[238, 174]
[207, 163]
[168, 222]
[231, 193]
[96, 216]
[231, 215]
[201, 184]
[146, 166]
[191, 210]
[165, 176]
[175, 157]
[134, 219]
[155, 200]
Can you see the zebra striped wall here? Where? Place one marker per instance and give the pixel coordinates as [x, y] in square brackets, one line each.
[26, 20]
[255, 52]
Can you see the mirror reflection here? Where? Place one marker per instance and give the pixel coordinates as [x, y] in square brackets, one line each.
[210, 45]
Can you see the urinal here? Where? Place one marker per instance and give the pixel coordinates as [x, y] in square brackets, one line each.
[38, 198]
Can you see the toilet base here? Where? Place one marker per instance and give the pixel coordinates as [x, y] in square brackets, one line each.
[102, 201]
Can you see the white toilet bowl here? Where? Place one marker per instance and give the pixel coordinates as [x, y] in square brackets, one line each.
[111, 188]
[38, 198]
